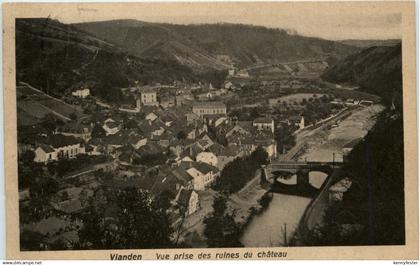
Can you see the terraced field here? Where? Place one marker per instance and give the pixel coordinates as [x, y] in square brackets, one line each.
[33, 105]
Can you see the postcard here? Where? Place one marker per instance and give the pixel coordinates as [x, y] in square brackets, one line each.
[210, 130]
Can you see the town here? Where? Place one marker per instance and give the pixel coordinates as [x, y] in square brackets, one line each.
[172, 140]
[141, 135]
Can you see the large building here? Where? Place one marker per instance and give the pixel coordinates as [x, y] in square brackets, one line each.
[264, 123]
[57, 147]
[149, 97]
[209, 108]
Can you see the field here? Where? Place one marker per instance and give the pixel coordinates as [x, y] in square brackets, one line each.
[293, 98]
[33, 105]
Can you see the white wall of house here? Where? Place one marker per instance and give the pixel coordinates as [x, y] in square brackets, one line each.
[69, 151]
[198, 178]
[271, 150]
[42, 157]
[149, 98]
[264, 126]
[81, 93]
[194, 203]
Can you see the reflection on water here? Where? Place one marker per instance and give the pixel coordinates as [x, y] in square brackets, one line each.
[316, 178]
[290, 180]
[266, 230]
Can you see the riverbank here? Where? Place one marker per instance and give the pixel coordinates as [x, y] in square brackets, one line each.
[329, 146]
[244, 203]
[295, 213]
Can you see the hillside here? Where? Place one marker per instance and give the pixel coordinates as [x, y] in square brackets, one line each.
[214, 45]
[376, 70]
[370, 43]
[55, 58]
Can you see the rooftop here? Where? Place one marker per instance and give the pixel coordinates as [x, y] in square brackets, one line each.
[209, 104]
[263, 120]
[59, 140]
[184, 197]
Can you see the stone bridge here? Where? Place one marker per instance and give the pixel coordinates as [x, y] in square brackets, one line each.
[301, 169]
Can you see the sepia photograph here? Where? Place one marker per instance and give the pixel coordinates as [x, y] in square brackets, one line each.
[210, 125]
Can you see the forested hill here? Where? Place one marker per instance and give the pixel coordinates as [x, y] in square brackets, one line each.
[55, 57]
[375, 200]
[215, 45]
[370, 43]
[377, 70]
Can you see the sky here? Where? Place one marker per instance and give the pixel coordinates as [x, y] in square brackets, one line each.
[335, 21]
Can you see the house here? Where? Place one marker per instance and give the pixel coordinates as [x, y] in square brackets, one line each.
[231, 71]
[81, 93]
[228, 85]
[205, 142]
[151, 116]
[45, 153]
[184, 179]
[264, 124]
[137, 141]
[111, 127]
[96, 146]
[148, 96]
[203, 175]
[209, 108]
[204, 96]
[249, 142]
[298, 121]
[58, 146]
[243, 73]
[188, 201]
[207, 157]
[223, 154]
[167, 102]
[183, 97]
[236, 128]
[352, 102]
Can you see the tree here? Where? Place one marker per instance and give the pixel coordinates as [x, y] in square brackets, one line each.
[164, 200]
[131, 124]
[285, 138]
[221, 230]
[238, 172]
[98, 131]
[259, 156]
[135, 221]
[181, 135]
[50, 122]
[27, 157]
[254, 113]
[73, 116]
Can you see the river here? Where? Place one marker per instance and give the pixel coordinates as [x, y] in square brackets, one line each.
[267, 229]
